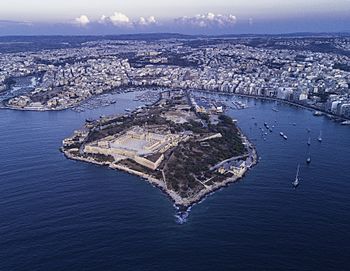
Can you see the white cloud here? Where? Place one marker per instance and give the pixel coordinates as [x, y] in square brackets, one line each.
[147, 21]
[83, 20]
[208, 20]
[103, 19]
[119, 18]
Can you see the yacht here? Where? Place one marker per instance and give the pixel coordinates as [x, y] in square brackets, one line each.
[296, 181]
[308, 160]
[320, 137]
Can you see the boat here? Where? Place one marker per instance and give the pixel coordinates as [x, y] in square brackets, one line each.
[296, 181]
[128, 110]
[275, 109]
[320, 137]
[318, 113]
[89, 120]
[308, 160]
[283, 135]
[309, 141]
[347, 122]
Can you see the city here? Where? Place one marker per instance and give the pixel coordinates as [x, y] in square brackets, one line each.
[179, 135]
[66, 77]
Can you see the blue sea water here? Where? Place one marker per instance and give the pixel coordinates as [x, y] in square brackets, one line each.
[58, 214]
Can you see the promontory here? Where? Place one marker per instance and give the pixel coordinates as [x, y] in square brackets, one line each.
[182, 148]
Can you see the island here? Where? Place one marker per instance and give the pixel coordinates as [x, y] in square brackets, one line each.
[186, 150]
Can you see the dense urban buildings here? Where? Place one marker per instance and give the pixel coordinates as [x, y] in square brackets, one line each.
[312, 71]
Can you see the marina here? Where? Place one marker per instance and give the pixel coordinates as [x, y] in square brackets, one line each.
[113, 205]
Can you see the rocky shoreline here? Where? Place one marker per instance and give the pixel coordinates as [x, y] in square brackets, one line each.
[182, 204]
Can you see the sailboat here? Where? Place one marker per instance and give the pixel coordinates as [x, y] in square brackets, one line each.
[309, 141]
[308, 160]
[296, 181]
[320, 137]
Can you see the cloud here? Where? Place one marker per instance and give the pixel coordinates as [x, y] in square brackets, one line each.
[83, 20]
[120, 19]
[208, 20]
[147, 21]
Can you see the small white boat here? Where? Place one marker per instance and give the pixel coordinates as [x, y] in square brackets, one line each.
[296, 181]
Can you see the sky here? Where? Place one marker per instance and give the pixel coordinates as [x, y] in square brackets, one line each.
[84, 17]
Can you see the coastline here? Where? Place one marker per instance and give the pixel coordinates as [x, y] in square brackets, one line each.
[5, 105]
[307, 107]
[182, 204]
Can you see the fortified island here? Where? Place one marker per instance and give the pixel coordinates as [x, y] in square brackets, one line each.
[176, 145]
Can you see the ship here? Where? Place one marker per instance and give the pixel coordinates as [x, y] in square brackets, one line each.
[296, 181]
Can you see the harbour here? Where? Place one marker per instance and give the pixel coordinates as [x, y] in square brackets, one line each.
[43, 194]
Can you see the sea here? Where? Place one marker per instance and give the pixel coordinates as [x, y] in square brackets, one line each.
[59, 214]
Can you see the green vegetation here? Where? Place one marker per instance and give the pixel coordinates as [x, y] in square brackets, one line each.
[187, 166]
[190, 162]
